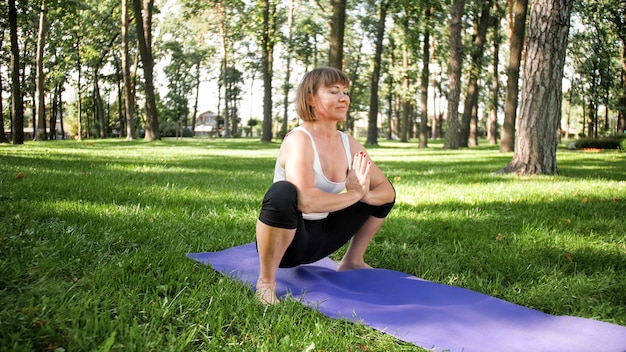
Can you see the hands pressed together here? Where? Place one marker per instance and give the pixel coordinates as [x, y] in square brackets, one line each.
[359, 176]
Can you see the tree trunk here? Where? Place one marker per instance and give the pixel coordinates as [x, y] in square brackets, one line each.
[470, 111]
[3, 137]
[372, 128]
[196, 99]
[404, 125]
[17, 104]
[40, 80]
[287, 85]
[453, 132]
[129, 92]
[143, 20]
[621, 116]
[423, 131]
[492, 125]
[516, 46]
[337, 28]
[53, 113]
[540, 111]
[224, 67]
[79, 91]
[61, 109]
[267, 52]
[98, 106]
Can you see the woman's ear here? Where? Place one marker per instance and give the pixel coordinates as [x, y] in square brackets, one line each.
[310, 100]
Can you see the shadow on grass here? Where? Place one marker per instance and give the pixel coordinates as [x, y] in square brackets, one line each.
[124, 214]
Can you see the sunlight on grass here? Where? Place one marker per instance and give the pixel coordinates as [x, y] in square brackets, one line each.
[95, 235]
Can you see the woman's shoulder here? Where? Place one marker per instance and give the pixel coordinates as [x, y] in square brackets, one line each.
[297, 138]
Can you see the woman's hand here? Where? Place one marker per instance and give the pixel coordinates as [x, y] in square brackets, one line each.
[359, 176]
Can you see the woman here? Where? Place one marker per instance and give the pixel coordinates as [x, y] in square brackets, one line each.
[326, 189]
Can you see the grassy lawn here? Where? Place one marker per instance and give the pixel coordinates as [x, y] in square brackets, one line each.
[94, 235]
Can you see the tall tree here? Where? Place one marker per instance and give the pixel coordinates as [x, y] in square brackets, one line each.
[621, 25]
[517, 23]
[40, 80]
[372, 128]
[337, 29]
[3, 137]
[143, 20]
[423, 132]
[453, 132]
[287, 85]
[492, 124]
[268, 41]
[540, 111]
[470, 111]
[17, 104]
[129, 91]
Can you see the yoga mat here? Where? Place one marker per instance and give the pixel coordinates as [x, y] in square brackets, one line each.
[430, 315]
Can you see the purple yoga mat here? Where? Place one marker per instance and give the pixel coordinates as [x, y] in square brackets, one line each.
[427, 314]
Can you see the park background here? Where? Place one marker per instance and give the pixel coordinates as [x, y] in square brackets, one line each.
[96, 221]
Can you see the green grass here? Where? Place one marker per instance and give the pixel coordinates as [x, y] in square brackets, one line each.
[94, 236]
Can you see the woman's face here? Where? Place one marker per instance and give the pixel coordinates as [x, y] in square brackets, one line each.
[331, 102]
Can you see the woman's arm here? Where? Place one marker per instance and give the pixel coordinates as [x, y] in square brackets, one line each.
[297, 159]
[381, 191]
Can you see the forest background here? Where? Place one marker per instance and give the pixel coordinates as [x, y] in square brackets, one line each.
[95, 231]
[420, 70]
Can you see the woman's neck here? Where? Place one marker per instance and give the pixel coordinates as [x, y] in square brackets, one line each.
[321, 129]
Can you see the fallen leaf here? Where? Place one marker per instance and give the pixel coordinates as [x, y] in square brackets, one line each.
[20, 175]
[569, 221]
[500, 237]
[568, 256]
[397, 178]
[585, 199]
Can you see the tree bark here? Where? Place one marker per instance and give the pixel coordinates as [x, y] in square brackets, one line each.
[423, 131]
[287, 85]
[372, 127]
[224, 67]
[516, 46]
[143, 20]
[405, 103]
[453, 132]
[337, 29]
[40, 80]
[540, 110]
[267, 61]
[17, 104]
[3, 137]
[621, 116]
[129, 92]
[492, 125]
[470, 112]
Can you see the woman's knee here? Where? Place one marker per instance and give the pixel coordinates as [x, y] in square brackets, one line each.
[280, 205]
[282, 194]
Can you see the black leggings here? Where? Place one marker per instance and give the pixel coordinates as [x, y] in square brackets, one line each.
[314, 239]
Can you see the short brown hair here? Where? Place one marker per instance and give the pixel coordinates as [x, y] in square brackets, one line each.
[312, 80]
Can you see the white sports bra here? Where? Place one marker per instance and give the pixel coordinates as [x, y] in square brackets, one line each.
[321, 182]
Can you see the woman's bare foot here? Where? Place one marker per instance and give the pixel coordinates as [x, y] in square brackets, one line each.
[345, 265]
[266, 293]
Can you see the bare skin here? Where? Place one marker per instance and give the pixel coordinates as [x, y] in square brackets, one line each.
[364, 182]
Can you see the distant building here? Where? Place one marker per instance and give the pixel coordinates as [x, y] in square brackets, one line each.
[206, 124]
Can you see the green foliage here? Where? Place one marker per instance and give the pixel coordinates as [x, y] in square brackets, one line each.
[168, 129]
[601, 143]
[94, 237]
